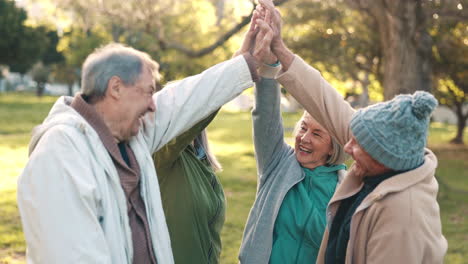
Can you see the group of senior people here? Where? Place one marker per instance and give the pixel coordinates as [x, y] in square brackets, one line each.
[121, 174]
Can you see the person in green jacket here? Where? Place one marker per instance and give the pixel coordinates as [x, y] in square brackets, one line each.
[192, 196]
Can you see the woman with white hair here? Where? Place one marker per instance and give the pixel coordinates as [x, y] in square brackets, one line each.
[295, 184]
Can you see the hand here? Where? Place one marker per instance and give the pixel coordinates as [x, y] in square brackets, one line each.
[262, 48]
[249, 37]
[275, 23]
[284, 55]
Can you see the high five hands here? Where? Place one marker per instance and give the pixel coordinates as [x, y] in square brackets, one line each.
[263, 39]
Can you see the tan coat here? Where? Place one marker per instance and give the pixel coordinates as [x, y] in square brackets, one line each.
[398, 222]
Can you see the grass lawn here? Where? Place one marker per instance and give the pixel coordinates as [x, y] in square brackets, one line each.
[231, 139]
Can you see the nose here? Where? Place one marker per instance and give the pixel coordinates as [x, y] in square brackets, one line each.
[152, 105]
[306, 137]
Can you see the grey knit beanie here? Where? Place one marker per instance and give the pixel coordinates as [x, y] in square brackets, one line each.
[394, 133]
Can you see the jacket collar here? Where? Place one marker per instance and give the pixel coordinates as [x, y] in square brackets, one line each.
[351, 185]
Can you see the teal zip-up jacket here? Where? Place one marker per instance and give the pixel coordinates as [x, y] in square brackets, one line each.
[301, 221]
[277, 169]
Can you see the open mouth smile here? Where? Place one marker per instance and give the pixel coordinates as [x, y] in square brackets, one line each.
[304, 150]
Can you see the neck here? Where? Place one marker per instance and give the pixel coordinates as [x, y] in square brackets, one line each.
[106, 112]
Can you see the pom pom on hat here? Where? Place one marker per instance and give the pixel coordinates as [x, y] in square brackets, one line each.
[423, 104]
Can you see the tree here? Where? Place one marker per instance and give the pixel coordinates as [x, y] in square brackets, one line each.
[404, 41]
[40, 74]
[11, 29]
[451, 70]
[22, 46]
[336, 40]
[184, 36]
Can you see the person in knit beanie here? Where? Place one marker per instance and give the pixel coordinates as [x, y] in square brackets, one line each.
[385, 210]
[393, 133]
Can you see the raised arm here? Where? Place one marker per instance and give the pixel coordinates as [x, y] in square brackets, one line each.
[268, 132]
[182, 104]
[308, 87]
[319, 98]
[168, 154]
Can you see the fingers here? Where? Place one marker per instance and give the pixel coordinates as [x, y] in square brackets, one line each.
[266, 30]
[253, 22]
[264, 36]
[268, 4]
[268, 17]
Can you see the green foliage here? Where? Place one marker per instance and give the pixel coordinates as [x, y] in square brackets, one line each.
[164, 29]
[21, 46]
[11, 28]
[230, 137]
[337, 40]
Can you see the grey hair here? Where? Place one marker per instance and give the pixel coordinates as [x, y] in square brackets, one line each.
[202, 140]
[114, 60]
[334, 158]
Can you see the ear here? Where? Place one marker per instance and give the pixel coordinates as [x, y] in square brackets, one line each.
[114, 87]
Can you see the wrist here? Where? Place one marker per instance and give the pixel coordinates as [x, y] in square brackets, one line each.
[284, 55]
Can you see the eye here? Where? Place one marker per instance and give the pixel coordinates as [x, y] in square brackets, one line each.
[317, 135]
[303, 128]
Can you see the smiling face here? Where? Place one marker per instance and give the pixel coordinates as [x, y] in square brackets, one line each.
[364, 165]
[313, 144]
[137, 100]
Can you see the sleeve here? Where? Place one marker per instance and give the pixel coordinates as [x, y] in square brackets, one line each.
[58, 202]
[166, 156]
[319, 98]
[268, 131]
[182, 104]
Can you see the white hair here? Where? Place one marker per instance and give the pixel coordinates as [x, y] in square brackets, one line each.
[332, 159]
[114, 60]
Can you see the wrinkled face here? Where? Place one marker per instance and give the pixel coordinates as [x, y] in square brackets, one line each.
[313, 143]
[137, 101]
[364, 165]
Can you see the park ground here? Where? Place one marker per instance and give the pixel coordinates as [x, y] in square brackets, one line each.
[231, 138]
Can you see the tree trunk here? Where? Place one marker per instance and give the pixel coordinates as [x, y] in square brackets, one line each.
[40, 89]
[405, 42]
[461, 122]
[70, 89]
[364, 97]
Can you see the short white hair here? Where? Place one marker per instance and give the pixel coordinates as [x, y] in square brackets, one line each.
[114, 60]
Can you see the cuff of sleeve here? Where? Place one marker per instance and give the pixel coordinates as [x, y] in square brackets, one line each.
[283, 73]
[268, 71]
[252, 66]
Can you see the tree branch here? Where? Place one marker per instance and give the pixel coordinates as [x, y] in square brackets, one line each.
[167, 44]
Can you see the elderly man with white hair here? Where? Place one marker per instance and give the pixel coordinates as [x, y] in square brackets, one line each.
[89, 192]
